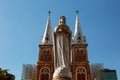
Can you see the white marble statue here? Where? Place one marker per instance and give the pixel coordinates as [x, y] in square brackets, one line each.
[62, 41]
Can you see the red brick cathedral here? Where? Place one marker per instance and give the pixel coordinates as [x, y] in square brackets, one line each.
[79, 63]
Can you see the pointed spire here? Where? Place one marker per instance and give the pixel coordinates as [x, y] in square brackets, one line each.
[78, 36]
[47, 37]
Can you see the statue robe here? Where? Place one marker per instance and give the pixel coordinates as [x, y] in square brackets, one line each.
[62, 50]
[62, 54]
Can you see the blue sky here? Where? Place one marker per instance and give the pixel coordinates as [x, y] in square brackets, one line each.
[22, 23]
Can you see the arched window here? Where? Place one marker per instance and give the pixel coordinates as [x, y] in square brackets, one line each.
[42, 77]
[46, 55]
[44, 74]
[80, 54]
[46, 77]
[80, 74]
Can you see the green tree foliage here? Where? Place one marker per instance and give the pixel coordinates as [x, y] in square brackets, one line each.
[4, 75]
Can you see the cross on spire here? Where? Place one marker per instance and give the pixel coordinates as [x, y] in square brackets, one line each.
[77, 11]
[49, 13]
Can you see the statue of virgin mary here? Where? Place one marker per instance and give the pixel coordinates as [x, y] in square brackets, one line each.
[62, 42]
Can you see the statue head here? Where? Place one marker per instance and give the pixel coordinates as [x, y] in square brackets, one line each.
[62, 20]
[62, 27]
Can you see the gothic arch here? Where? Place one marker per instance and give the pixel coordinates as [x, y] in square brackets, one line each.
[46, 55]
[44, 73]
[80, 54]
[81, 73]
[80, 49]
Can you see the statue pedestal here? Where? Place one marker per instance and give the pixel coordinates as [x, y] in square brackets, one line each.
[62, 73]
[61, 78]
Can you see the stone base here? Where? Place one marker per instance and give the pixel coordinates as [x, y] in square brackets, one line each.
[61, 78]
[62, 72]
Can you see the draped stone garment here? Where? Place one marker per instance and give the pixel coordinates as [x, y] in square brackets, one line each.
[62, 54]
[62, 50]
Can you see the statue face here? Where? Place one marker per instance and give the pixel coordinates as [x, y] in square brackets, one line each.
[62, 20]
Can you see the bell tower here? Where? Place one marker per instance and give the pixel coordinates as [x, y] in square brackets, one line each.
[44, 69]
[80, 64]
